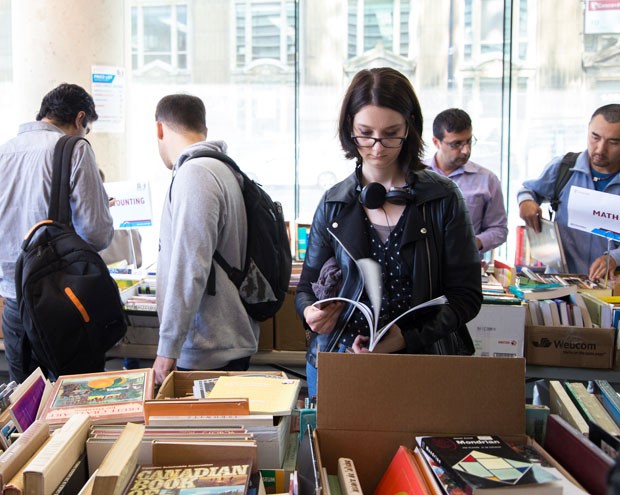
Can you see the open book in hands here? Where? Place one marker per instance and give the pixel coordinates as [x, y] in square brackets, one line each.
[371, 274]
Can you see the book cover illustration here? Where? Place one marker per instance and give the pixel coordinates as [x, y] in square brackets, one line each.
[229, 478]
[483, 462]
[106, 395]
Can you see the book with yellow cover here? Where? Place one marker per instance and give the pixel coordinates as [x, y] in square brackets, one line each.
[267, 395]
[107, 397]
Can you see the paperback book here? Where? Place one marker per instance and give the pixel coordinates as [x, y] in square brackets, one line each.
[230, 478]
[487, 464]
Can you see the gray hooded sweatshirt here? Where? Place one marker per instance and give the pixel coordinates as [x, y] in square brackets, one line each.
[204, 212]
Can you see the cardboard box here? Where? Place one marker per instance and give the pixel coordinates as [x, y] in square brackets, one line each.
[498, 330]
[290, 334]
[271, 441]
[370, 404]
[573, 347]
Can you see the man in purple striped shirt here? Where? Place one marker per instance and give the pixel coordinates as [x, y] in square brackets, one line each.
[454, 139]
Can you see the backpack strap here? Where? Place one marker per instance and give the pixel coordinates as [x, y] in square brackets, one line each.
[60, 207]
[230, 271]
[564, 173]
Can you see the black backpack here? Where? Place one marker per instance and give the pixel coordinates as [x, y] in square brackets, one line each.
[265, 276]
[70, 306]
[564, 173]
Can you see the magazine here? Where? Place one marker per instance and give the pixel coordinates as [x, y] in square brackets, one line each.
[371, 273]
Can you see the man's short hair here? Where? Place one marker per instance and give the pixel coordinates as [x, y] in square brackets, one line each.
[611, 113]
[182, 113]
[451, 120]
[62, 104]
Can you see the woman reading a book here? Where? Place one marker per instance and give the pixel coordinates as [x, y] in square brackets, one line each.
[411, 221]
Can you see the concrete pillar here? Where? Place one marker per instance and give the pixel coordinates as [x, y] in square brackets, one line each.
[58, 41]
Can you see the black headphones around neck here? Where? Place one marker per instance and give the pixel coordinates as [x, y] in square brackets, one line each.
[374, 195]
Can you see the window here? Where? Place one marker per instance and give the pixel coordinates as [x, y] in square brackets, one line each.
[159, 39]
[483, 26]
[272, 74]
[380, 24]
[265, 34]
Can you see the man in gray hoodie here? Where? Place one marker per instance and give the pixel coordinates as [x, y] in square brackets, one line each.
[203, 212]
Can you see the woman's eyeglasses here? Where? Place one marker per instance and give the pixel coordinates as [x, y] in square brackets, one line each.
[386, 142]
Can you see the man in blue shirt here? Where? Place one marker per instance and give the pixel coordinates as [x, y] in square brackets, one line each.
[596, 168]
[453, 138]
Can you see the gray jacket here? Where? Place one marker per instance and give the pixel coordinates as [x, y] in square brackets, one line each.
[26, 171]
[203, 211]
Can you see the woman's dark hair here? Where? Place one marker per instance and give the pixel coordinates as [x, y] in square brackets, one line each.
[63, 103]
[183, 112]
[383, 87]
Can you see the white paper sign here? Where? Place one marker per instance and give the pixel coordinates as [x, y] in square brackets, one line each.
[602, 16]
[595, 212]
[108, 85]
[132, 204]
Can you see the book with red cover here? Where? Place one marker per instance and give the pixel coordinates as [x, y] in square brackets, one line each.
[588, 464]
[403, 475]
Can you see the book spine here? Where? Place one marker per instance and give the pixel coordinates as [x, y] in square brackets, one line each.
[448, 469]
[347, 475]
[609, 399]
[18, 453]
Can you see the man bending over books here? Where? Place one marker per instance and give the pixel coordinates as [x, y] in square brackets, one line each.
[411, 221]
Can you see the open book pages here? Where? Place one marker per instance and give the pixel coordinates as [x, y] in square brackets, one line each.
[371, 273]
[546, 245]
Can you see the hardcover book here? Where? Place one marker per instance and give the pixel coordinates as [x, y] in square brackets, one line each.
[107, 397]
[560, 403]
[19, 452]
[230, 478]
[609, 398]
[49, 466]
[119, 463]
[238, 405]
[487, 464]
[591, 408]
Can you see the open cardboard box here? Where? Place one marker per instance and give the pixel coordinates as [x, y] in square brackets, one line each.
[369, 404]
[272, 440]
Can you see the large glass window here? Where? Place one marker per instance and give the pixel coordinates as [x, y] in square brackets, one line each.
[273, 72]
[159, 38]
[265, 33]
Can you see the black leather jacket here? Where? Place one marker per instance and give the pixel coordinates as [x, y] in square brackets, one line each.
[438, 246]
